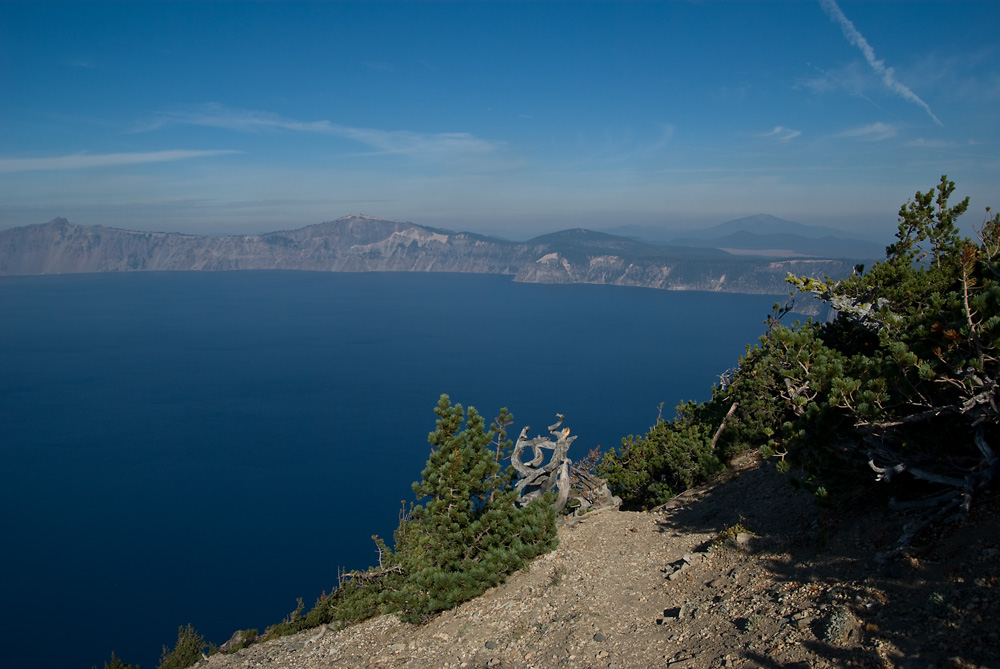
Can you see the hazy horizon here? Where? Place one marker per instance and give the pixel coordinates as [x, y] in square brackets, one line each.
[512, 119]
[652, 231]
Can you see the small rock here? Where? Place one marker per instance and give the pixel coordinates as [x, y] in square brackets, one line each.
[491, 644]
[240, 638]
[840, 626]
[600, 638]
[669, 614]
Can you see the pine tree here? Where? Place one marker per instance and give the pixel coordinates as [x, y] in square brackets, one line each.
[903, 386]
[186, 652]
[465, 535]
[913, 393]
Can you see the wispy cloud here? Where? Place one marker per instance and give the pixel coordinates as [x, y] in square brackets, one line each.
[623, 148]
[874, 132]
[887, 74]
[88, 160]
[969, 76]
[938, 144]
[849, 77]
[434, 145]
[782, 134]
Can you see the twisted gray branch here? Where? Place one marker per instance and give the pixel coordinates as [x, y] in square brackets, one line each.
[537, 478]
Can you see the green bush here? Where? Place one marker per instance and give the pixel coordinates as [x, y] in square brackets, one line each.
[781, 392]
[322, 612]
[901, 386]
[188, 650]
[466, 534]
[673, 456]
[916, 336]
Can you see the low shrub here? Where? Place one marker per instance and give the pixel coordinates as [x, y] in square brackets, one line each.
[188, 650]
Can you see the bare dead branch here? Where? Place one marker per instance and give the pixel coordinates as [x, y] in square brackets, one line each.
[722, 425]
[559, 473]
[537, 478]
[372, 574]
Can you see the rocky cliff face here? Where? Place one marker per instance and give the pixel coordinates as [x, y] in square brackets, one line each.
[364, 244]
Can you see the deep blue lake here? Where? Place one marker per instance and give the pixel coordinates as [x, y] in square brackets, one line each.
[206, 447]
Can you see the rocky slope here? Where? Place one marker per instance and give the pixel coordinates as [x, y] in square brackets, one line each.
[362, 243]
[800, 588]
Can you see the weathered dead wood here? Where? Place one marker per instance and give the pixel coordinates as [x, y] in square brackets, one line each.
[722, 425]
[372, 574]
[590, 492]
[537, 478]
[952, 504]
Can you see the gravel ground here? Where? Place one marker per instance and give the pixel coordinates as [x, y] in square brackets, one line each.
[801, 588]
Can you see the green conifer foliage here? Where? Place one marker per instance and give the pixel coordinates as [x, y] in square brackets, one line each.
[902, 386]
[672, 456]
[905, 379]
[186, 652]
[465, 534]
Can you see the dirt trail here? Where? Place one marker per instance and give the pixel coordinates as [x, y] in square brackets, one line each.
[629, 589]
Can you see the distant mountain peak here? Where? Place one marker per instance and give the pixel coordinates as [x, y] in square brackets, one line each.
[763, 218]
[366, 217]
[578, 234]
[762, 224]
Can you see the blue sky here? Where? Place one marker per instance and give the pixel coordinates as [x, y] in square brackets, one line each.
[512, 118]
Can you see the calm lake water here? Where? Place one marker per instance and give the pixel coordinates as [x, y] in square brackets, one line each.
[206, 447]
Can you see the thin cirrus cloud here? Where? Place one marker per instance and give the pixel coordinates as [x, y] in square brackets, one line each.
[938, 144]
[782, 134]
[433, 145]
[873, 132]
[88, 160]
[887, 74]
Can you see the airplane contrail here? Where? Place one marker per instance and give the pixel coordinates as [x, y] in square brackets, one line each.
[887, 73]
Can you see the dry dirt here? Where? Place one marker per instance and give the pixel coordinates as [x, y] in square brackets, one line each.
[630, 589]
